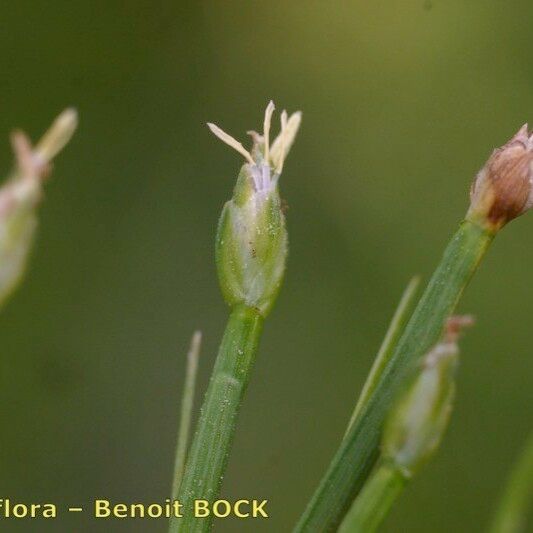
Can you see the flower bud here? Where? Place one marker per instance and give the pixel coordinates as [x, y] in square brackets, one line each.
[418, 420]
[503, 188]
[20, 195]
[251, 244]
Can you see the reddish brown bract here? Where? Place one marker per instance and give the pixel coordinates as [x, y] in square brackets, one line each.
[502, 188]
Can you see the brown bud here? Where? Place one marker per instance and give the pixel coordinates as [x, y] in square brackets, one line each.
[502, 189]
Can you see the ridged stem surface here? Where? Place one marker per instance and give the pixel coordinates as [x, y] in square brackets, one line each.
[375, 501]
[212, 441]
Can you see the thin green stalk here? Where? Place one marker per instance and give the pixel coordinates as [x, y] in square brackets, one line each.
[376, 499]
[187, 401]
[512, 512]
[387, 346]
[359, 450]
[209, 452]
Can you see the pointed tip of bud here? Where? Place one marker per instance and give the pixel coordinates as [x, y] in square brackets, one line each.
[503, 188]
[523, 135]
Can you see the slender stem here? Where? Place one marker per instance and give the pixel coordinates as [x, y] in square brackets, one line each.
[387, 346]
[359, 450]
[211, 445]
[187, 401]
[375, 501]
[511, 515]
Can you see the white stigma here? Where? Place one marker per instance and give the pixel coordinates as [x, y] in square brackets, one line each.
[274, 154]
[283, 142]
[266, 128]
[230, 141]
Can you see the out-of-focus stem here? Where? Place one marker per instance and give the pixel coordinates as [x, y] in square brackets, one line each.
[187, 401]
[387, 346]
[512, 512]
[375, 501]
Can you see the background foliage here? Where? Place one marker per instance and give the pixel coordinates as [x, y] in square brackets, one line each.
[402, 102]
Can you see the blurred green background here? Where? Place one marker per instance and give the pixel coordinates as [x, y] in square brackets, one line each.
[402, 101]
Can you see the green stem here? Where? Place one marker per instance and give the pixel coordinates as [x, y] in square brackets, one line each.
[387, 346]
[375, 501]
[511, 515]
[211, 445]
[187, 401]
[359, 450]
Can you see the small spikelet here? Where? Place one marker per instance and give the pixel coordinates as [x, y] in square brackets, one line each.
[22, 192]
[420, 416]
[251, 245]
